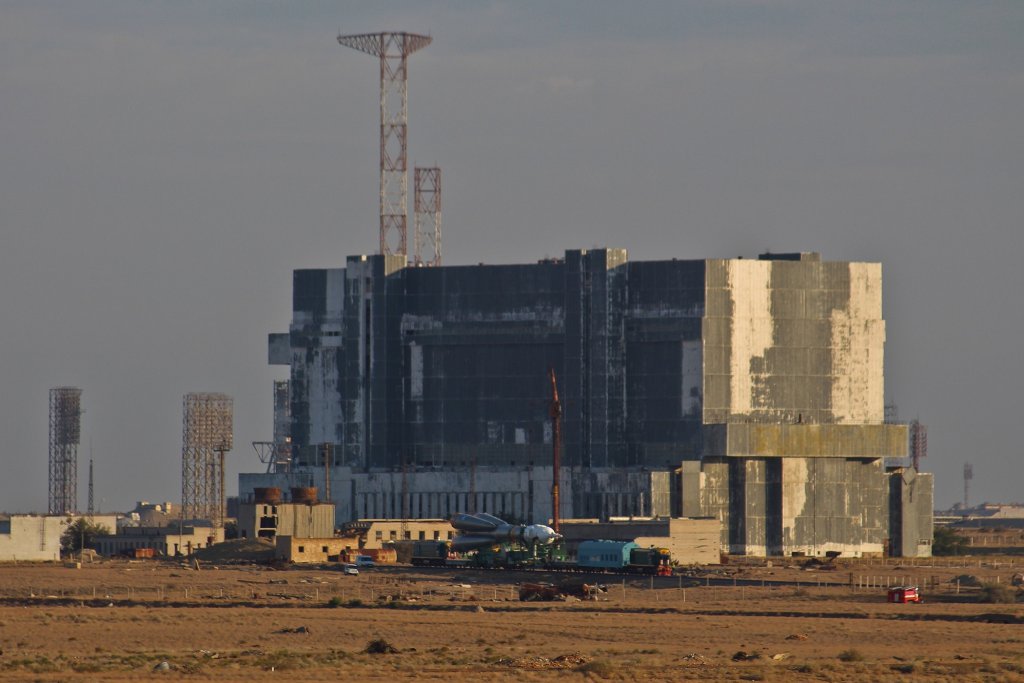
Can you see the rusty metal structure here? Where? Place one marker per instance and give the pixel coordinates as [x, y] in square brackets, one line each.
[918, 443]
[206, 438]
[427, 216]
[556, 457]
[393, 50]
[65, 435]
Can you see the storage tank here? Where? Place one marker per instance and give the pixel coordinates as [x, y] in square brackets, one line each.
[270, 495]
[304, 494]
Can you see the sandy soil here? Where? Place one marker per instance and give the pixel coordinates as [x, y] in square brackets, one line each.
[121, 620]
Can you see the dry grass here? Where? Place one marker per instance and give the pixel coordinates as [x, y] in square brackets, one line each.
[247, 624]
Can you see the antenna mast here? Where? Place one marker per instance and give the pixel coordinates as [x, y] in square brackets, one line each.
[393, 50]
[92, 507]
[968, 475]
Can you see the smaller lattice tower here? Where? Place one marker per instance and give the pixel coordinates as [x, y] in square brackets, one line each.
[65, 435]
[426, 200]
[918, 444]
[206, 437]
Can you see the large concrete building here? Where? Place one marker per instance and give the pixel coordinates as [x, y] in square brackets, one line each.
[746, 390]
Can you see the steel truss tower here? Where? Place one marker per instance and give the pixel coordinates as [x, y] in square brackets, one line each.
[427, 212]
[393, 50]
[206, 437]
[65, 434]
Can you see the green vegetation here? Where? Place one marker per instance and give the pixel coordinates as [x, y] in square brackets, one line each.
[80, 534]
[998, 593]
[948, 542]
[379, 646]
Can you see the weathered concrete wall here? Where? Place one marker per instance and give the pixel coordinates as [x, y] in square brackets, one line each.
[30, 538]
[300, 520]
[805, 440]
[781, 506]
[837, 505]
[911, 512]
[793, 341]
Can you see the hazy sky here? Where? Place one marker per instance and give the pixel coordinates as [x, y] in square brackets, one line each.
[164, 166]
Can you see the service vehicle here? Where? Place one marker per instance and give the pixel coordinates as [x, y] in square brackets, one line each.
[904, 594]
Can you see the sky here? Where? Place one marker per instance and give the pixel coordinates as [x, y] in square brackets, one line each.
[165, 165]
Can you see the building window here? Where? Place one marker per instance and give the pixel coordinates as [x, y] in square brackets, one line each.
[406, 536]
[380, 535]
[450, 535]
[437, 535]
[325, 549]
[393, 535]
[423, 535]
[302, 548]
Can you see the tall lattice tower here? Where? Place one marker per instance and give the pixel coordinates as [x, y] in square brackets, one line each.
[393, 50]
[206, 437]
[65, 434]
[426, 199]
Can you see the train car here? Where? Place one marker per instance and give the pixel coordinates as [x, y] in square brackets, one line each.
[605, 555]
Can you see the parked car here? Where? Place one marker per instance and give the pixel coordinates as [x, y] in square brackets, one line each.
[365, 561]
[351, 569]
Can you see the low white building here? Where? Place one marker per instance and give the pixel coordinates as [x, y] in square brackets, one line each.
[30, 538]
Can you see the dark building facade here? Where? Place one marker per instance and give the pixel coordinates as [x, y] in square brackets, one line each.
[755, 385]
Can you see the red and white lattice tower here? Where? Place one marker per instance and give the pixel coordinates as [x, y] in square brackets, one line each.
[427, 211]
[393, 49]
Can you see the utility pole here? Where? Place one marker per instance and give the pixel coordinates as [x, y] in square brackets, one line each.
[92, 508]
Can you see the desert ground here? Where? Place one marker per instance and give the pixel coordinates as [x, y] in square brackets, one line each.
[123, 620]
